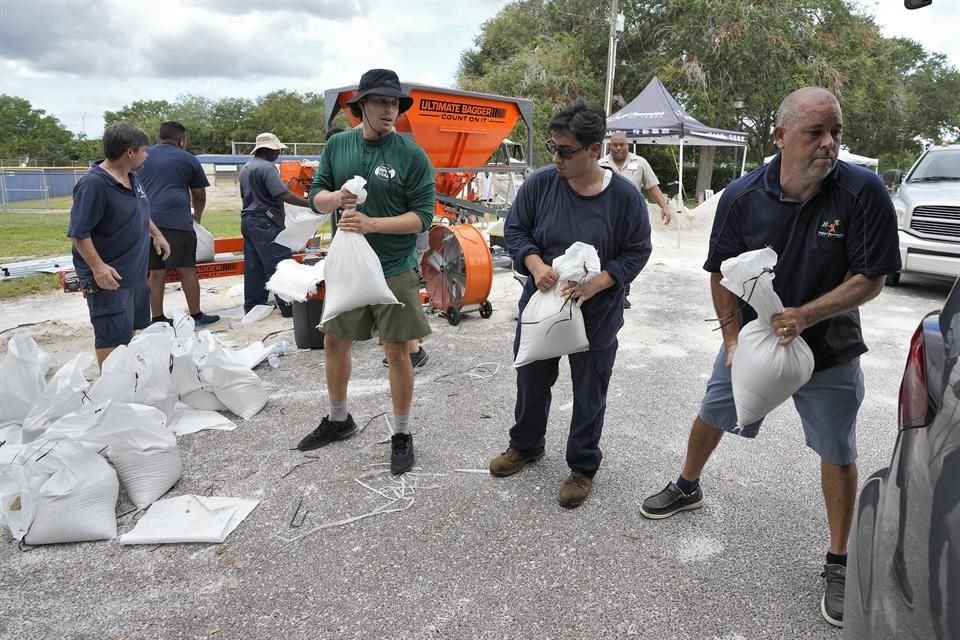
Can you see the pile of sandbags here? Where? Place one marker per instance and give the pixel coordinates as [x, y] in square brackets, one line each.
[67, 445]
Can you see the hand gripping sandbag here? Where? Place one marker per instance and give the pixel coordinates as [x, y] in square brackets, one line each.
[23, 375]
[764, 373]
[550, 325]
[56, 492]
[353, 274]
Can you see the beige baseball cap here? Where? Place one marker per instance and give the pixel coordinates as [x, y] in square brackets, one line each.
[268, 141]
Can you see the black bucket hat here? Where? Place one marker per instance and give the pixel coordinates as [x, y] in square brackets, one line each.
[379, 82]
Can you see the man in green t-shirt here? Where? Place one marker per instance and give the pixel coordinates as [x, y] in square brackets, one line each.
[399, 205]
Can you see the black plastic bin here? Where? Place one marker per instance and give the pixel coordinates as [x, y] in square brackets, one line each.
[306, 317]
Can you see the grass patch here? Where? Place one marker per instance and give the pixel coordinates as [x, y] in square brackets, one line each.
[38, 283]
[42, 235]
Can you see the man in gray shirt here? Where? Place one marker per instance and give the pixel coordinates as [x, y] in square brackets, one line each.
[262, 219]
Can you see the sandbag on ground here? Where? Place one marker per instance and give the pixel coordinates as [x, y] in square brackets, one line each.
[59, 492]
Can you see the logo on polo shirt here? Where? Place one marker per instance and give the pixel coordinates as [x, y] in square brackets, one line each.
[831, 229]
[385, 172]
[140, 192]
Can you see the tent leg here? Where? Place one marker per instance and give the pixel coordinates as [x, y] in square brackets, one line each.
[679, 215]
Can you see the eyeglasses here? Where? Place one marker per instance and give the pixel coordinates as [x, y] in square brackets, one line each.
[564, 152]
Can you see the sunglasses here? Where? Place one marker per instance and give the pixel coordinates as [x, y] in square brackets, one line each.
[564, 152]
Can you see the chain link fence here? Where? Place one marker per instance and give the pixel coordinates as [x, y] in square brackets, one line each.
[33, 188]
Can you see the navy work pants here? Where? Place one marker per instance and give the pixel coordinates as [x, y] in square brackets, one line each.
[260, 259]
[590, 372]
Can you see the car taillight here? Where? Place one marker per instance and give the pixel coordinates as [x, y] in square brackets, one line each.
[913, 387]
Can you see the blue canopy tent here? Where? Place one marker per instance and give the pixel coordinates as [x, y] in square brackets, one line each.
[654, 117]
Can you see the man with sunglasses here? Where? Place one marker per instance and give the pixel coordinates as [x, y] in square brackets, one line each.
[636, 169]
[399, 205]
[575, 199]
[834, 229]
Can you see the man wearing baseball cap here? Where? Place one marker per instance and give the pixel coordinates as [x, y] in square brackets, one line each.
[262, 219]
[399, 205]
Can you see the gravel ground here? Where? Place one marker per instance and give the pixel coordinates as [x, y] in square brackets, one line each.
[475, 556]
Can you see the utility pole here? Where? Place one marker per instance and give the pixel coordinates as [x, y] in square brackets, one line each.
[616, 25]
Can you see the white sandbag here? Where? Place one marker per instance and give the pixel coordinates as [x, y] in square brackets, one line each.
[353, 274]
[550, 326]
[118, 377]
[188, 383]
[579, 263]
[10, 435]
[134, 438]
[764, 373]
[300, 224]
[65, 393]
[59, 492]
[357, 186]
[155, 387]
[206, 251]
[294, 281]
[23, 375]
[188, 420]
[189, 518]
[354, 277]
[238, 388]
[258, 313]
[144, 453]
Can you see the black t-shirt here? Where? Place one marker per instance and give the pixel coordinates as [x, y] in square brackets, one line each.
[847, 227]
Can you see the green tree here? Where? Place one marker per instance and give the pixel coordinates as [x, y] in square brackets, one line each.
[28, 134]
[707, 52]
[292, 116]
[143, 114]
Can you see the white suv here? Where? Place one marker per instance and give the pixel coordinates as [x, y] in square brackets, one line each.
[928, 213]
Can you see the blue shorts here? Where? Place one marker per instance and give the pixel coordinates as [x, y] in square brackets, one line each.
[828, 405]
[115, 314]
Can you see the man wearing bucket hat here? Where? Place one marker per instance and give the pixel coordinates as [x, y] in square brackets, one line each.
[262, 219]
[399, 205]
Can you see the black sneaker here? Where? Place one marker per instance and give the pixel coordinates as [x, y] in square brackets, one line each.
[205, 319]
[831, 604]
[328, 431]
[669, 501]
[401, 453]
[418, 359]
[169, 321]
[286, 310]
[626, 303]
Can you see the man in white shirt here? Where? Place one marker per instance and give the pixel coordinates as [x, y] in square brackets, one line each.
[638, 171]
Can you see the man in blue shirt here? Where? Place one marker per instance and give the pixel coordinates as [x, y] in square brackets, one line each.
[575, 199]
[834, 229]
[261, 221]
[174, 180]
[111, 231]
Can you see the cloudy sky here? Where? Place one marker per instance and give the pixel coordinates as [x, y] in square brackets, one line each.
[76, 59]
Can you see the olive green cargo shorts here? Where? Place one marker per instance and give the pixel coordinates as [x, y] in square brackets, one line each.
[393, 322]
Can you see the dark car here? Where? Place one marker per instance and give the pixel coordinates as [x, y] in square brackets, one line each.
[903, 575]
